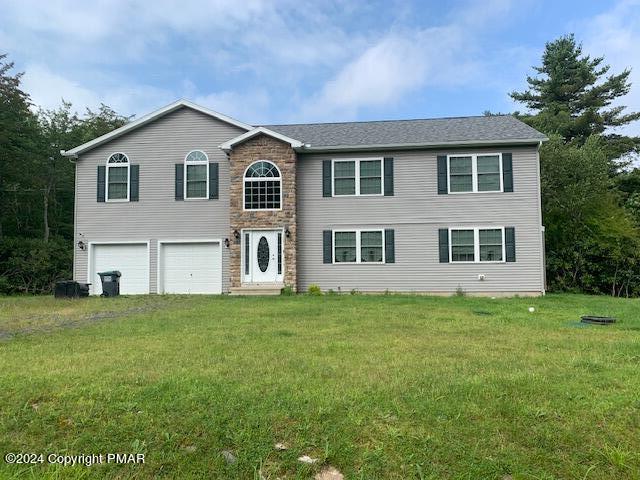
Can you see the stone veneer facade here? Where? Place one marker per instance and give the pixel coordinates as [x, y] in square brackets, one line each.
[262, 147]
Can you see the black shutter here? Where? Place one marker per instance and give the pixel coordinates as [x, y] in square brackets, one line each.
[213, 181]
[510, 243]
[326, 178]
[442, 175]
[388, 177]
[179, 181]
[443, 239]
[102, 173]
[507, 172]
[389, 246]
[327, 247]
[134, 182]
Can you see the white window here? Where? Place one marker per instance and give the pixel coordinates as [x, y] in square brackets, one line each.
[477, 244]
[475, 173]
[360, 176]
[358, 246]
[196, 179]
[118, 178]
[262, 186]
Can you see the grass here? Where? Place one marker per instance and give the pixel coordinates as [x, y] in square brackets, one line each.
[376, 386]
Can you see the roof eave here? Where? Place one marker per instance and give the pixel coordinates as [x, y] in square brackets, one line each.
[430, 145]
[228, 145]
[74, 152]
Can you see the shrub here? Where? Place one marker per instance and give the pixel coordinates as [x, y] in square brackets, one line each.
[33, 265]
[314, 289]
[287, 291]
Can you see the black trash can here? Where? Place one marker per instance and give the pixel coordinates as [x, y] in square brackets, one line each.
[71, 289]
[110, 283]
[83, 289]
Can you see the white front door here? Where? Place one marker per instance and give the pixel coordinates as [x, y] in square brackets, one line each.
[263, 256]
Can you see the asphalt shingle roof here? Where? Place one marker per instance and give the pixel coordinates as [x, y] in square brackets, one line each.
[499, 128]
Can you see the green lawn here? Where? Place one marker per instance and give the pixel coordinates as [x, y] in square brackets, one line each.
[376, 386]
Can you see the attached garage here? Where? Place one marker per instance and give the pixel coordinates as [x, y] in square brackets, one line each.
[190, 267]
[131, 259]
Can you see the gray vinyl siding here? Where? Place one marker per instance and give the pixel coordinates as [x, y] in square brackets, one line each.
[416, 212]
[156, 147]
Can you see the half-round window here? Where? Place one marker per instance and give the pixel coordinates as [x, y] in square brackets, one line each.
[118, 158]
[118, 177]
[262, 186]
[196, 156]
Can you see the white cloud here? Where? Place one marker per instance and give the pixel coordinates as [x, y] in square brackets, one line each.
[383, 73]
[615, 35]
[108, 31]
[250, 106]
[401, 62]
[48, 89]
[112, 50]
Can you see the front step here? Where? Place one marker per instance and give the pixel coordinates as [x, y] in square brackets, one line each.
[257, 289]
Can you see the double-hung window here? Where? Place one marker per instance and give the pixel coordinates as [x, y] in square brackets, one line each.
[477, 244]
[358, 246]
[362, 176]
[462, 246]
[475, 173]
[117, 178]
[196, 180]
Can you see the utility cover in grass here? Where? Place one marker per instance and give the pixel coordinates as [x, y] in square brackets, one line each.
[229, 456]
[329, 473]
[307, 459]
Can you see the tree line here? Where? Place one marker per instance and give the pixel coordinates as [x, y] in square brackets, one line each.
[590, 185]
[37, 184]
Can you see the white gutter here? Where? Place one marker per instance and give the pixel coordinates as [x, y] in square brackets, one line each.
[72, 156]
[401, 146]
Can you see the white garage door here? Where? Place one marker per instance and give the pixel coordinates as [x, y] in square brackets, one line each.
[190, 267]
[131, 259]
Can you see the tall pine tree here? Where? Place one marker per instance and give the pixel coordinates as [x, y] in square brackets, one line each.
[572, 96]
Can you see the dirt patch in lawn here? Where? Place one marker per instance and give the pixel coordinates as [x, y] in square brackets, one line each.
[67, 317]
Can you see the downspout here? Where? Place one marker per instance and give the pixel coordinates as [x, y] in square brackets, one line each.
[73, 159]
[542, 228]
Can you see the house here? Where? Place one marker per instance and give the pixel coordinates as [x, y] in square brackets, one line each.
[188, 200]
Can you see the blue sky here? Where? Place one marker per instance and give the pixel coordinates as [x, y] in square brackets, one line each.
[284, 61]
